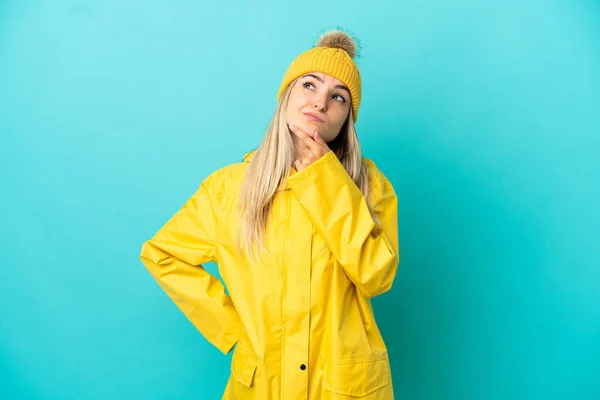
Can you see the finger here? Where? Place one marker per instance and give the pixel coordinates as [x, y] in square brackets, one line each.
[295, 140]
[299, 133]
[303, 136]
[298, 165]
[299, 148]
[320, 140]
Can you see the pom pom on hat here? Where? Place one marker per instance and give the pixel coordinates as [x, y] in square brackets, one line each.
[338, 40]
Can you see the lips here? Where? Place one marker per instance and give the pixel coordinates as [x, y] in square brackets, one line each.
[313, 117]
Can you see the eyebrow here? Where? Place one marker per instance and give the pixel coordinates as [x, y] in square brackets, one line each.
[321, 80]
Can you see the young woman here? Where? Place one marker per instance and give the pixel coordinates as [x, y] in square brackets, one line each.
[304, 232]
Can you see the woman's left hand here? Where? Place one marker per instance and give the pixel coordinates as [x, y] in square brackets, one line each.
[306, 149]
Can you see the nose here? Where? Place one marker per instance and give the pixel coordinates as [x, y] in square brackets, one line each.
[320, 102]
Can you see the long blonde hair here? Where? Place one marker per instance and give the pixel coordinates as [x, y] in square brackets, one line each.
[271, 165]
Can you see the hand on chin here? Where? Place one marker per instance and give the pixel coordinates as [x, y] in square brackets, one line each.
[310, 128]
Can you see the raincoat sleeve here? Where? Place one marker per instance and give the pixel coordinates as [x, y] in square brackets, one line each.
[174, 257]
[339, 211]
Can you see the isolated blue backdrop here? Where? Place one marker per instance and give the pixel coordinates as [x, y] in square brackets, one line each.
[485, 116]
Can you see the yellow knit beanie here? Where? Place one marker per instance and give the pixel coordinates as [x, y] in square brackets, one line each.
[332, 55]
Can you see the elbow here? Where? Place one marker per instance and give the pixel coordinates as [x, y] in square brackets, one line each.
[147, 252]
[369, 293]
[152, 257]
[146, 256]
[382, 278]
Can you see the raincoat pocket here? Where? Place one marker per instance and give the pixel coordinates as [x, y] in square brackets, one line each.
[243, 366]
[356, 377]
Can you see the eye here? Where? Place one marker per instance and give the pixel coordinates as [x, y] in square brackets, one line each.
[339, 98]
[309, 85]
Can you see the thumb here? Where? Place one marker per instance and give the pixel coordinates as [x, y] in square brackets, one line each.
[318, 138]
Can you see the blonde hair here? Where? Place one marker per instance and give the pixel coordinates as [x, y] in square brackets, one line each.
[271, 165]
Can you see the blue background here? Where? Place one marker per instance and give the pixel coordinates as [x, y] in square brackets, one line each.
[484, 115]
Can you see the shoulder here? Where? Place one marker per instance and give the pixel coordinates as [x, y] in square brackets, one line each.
[375, 174]
[232, 172]
[225, 181]
[379, 185]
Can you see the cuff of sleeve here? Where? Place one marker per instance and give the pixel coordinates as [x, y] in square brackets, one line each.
[308, 175]
[228, 344]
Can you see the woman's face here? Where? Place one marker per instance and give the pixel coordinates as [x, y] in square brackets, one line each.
[319, 102]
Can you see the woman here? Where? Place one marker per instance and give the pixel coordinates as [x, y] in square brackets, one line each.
[304, 232]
